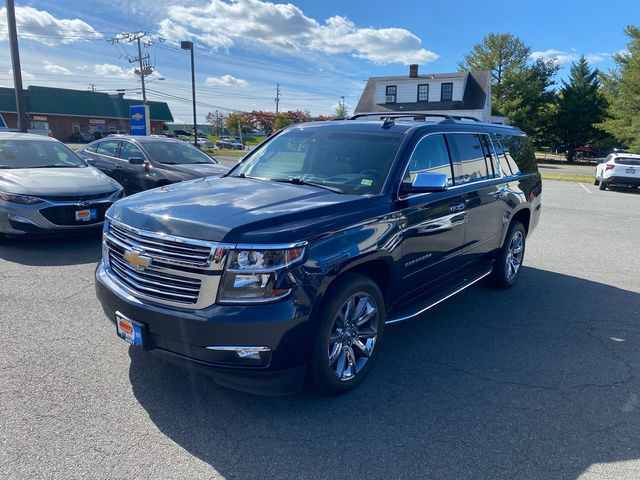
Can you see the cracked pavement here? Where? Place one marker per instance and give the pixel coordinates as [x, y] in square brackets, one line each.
[540, 381]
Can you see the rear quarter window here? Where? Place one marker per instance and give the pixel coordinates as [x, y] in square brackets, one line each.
[518, 153]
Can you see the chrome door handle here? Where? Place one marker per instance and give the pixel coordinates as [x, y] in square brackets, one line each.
[456, 208]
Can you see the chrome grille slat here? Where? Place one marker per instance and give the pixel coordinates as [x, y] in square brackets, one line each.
[123, 269]
[139, 239]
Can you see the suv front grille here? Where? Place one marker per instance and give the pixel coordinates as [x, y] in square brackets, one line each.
[178, 271]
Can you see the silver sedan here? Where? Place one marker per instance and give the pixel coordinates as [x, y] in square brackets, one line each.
[46, 188]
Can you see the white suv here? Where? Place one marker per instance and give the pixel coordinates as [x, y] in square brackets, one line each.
[618, 169]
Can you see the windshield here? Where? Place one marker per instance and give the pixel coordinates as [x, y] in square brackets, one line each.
[37, 154]
[174, 153]
[356, 162]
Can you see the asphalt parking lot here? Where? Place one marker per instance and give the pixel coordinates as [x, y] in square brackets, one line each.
[537, 382]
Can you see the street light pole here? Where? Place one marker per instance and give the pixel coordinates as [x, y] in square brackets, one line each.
[15, 63]
[187, 45]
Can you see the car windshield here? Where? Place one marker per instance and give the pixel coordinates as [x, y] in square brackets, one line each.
[176, 153]
[37, 154]
[355, 162]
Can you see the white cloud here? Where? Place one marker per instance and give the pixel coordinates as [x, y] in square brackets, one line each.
[557, 55]
[225, 81]
[41, 26]
[285, 27]
[563, 57]
[25, 75]
[109, 70]
[56, 69]
[598, 57]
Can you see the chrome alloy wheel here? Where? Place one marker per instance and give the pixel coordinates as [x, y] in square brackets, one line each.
[514, 255]
[353, 336]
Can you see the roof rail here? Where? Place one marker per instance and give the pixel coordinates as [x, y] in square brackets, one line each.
[465, 117]
[385, 115]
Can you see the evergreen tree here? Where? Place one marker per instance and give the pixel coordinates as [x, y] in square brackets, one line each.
[622, 91]
[581, 105]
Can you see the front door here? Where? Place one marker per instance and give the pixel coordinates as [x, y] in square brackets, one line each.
[432, 223]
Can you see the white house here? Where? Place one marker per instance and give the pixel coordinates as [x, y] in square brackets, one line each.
[465, 94]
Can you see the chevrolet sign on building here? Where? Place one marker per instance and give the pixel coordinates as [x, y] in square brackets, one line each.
[139, 116]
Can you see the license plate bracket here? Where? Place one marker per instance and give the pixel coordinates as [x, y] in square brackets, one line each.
[130, 331]
[631, 171]
[86, 215]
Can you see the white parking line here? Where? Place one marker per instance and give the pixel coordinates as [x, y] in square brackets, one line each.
[588, 191]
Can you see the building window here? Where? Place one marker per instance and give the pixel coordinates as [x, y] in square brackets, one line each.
[75, 127]
[423, 92]
[446, 92]
[391, 94]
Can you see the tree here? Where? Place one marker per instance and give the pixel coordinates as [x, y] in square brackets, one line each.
[501, 54]
[528, 99]
[240, 122]
[621, 88]
[217, 121]
[581, 105]
[341, 110]
[281, 121]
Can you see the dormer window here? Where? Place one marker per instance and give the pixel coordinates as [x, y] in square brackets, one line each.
[391, 94]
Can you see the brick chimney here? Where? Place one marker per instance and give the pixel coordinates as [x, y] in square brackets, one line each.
[413, 70]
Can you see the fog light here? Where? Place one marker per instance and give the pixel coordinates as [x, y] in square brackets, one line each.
[249, 356]
[17, 218]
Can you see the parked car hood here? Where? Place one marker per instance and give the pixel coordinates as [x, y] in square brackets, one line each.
[199, 169]
[56, 181]
[231, 209]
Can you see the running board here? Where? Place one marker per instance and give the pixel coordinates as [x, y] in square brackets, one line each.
[407, 313]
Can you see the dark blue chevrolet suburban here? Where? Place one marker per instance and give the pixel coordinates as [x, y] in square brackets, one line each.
[288, 267]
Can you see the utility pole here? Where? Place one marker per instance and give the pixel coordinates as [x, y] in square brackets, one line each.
[140, 59]
[15, 64]
[277, 97]
[92, 87]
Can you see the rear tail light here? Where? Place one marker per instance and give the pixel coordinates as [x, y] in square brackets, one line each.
[609, 166]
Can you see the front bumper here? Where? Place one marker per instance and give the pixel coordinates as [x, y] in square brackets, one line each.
[28, 220]
[183, 335]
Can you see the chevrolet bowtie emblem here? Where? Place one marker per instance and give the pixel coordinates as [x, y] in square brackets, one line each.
[137, 116]
[136, 259]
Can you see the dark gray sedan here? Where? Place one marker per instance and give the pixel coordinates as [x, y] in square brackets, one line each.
[141, 163]
[46, 188]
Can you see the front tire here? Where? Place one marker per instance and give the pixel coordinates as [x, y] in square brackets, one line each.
[349, 334]
[507, 267]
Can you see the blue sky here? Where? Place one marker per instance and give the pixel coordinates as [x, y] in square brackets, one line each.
[316, 50]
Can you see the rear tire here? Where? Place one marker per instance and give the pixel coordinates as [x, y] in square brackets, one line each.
[596, 182]
[349, 334]
[508, 263]
[603, 186]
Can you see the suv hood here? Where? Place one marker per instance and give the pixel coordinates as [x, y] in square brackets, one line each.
[56, 181]
[231, 209]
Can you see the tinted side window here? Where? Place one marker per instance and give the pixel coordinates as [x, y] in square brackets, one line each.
[432, 156]
[92, 148]
[504, 161]
[467, 150]
[129, 150]
[108, 147]
[519, 154]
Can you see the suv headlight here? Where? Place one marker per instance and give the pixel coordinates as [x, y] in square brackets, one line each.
[15, 198]
[257, 275]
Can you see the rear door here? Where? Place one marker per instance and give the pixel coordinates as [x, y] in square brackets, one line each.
[485, 191]
[433, 223]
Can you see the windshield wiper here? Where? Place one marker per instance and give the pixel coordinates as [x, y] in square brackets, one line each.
[300, 181]
[54, 166]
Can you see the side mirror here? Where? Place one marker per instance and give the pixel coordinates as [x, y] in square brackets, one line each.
[426, 182]
[90, 161]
